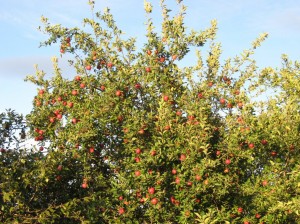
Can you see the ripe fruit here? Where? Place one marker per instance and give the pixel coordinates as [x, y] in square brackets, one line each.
[92, 149]
[151, 190]
[174, 171]
[178, 113]
[41, 91]
[77, 78]
[210, 84]
[138, 151]
[154, 201]
[41, 148]
[109, 64]
[141, 131]
[149, 52]
[137, 159]
[84, 185]
[82, 85]
[137, 86]
[121, 198]
[200, 95]
[182, 157]
[148, 69]
[227, 161]
[153, 153]
[264, 142]
[257, 216]
[74, 92]
[88, 67]
[240, 210]
[218, 152]
[70, 104]
[52, 119]
[222, 101]
[198, 177]
[62, 50]
[59, 168]
[264, 183]
[251, 145]
[165, 98]
[240, 104]
[162, 59]
[102, 88]
[137, 173]
[273, 153]
[118, 93]
[189, 183]
[177, 180]
[59, 116]
[121, 211]
[174, 57]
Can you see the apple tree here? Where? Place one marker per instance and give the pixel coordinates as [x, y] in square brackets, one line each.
[137, 137]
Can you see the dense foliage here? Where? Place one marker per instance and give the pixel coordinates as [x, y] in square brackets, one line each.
[136, 138]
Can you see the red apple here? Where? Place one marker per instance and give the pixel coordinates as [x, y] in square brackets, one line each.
[240, 210]
[110, 65]
[222, 101]
[137, 85]
[70, 104]
[74, 92]
[251, 145]
[165, 98]
[137, 173]
[154, 201]
[174, 171]
[118, 93]
[227, 161]
[74, 120]
[264, 142]
[182, 157]
[178, 113]
[151, 190]
[153, 153]
[77, 78]
[198, 177]
[92, 149]
[102, 88]
[59, 168]
[82, 85]
[148, 69]
[177, 180]
[88, 67]
[121, 211]
[84, 185]
[264, 183]
[189, 183]
[41, 91]
[138, 151]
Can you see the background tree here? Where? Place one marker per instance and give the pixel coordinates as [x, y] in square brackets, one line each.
[136, 138]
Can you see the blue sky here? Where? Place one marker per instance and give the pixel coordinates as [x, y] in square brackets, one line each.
[239, 23]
